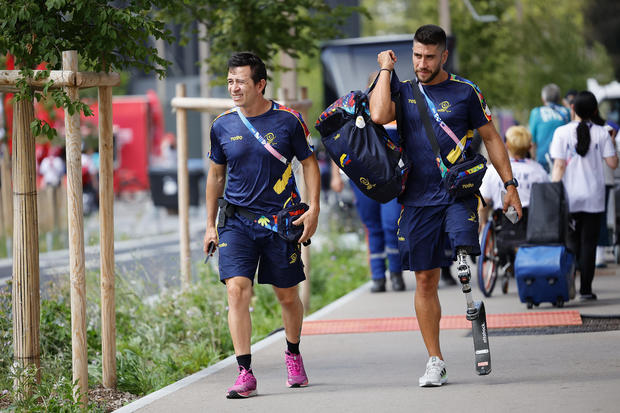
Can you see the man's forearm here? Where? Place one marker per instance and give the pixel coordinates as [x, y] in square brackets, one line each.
[381, 105]
[214, 190]
[312, 179]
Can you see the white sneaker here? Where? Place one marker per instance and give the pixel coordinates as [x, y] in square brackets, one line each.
[435, 374]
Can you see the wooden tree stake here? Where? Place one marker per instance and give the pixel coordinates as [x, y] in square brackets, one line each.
[183, 191]
[106, 223]
[75, 213]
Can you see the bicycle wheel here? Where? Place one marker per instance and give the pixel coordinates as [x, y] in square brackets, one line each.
[488, 261]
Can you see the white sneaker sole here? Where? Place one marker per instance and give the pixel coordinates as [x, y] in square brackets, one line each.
[426, 383]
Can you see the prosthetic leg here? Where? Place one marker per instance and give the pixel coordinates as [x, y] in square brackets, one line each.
[477, 315]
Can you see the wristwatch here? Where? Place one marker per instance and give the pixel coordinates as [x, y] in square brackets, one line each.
[512, 181]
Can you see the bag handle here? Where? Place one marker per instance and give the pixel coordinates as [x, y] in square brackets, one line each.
[399, 115]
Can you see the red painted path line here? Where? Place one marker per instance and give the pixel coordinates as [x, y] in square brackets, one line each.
[450, 322]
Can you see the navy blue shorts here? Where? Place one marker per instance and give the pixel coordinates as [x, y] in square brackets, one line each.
[244, 246]
[428, 236]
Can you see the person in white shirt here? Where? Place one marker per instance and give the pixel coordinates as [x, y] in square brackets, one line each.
[579, 150]
[52, 168]
[526, 171]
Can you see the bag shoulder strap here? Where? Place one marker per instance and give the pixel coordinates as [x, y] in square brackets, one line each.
[259, 137]
[422, 109]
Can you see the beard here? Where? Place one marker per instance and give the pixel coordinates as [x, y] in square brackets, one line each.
[430, 78]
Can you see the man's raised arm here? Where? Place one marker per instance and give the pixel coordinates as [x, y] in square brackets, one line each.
[382, 109]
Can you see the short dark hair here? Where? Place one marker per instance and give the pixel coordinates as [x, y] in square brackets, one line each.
[257, 66]
[431, 34]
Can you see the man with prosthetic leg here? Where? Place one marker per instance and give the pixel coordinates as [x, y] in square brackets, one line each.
[439, 113]
[476, 314]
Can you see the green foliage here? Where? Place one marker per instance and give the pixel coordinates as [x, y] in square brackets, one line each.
[336, 271]
[53, 394]
[107, 38]
[264, 27]
[162, 339]
[6, 330]
[531, 44]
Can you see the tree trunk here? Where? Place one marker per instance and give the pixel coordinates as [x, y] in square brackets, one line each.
[26, 307]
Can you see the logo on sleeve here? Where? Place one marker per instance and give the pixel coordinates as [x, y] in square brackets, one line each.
[344, 160]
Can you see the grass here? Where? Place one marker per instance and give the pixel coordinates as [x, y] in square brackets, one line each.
[160, 340]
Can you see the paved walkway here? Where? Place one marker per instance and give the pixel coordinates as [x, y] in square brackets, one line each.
[377, 371]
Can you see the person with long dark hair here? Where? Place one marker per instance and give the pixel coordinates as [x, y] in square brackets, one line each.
[578, 150]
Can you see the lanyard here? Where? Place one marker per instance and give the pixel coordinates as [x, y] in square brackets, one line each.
[259, 137]
[441, 123]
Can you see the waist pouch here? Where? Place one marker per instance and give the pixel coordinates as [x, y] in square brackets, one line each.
[280, 223]
[464, 179]
[284, 221]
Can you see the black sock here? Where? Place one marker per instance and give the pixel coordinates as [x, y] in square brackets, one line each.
[245, 361]
[292, 348]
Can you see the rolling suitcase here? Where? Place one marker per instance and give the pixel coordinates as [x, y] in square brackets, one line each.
[544, 273]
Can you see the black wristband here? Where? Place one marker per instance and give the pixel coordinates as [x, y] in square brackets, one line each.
[385, 69]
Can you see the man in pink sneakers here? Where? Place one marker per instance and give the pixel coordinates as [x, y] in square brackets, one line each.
[252, 147]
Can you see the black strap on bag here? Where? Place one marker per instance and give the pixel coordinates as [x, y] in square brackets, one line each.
[430, 132]
[423, 110]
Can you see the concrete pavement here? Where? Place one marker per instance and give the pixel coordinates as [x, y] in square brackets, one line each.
[378, 371]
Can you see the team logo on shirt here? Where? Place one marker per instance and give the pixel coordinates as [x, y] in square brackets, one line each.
[270, 137]
[444, 107]
[412, 101]
[344, 159]
[236, 138]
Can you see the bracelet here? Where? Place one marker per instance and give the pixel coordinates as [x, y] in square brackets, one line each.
[386, 70]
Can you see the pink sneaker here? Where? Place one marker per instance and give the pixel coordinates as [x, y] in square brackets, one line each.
[296, 373]
[245, 385]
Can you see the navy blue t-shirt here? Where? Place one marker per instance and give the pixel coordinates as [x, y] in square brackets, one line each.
[462, 107]
[256, 179]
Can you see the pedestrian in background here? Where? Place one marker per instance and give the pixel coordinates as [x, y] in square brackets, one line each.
[543, 122]
[578, 150]
[252, 148]
[527, 172]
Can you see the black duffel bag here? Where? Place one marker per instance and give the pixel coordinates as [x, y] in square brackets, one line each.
[362, 149]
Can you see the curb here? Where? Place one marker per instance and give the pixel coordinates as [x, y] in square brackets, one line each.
[230, 360]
